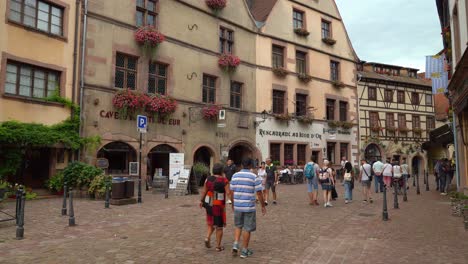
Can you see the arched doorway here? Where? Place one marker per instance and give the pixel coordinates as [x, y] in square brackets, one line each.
[239, 152]
[372, 153]
[119, 154]
[158, 158]
[203, 155]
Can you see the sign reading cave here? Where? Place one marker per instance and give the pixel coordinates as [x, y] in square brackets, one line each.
[116, 115]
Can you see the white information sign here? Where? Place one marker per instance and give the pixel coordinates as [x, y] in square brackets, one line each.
[176, 167]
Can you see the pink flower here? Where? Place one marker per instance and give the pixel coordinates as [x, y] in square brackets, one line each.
[216, 4]
[210, 112]
[149, 36]
[228, 61]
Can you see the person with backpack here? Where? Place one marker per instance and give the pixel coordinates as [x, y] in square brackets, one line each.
[214, 195]
[387, 174]
[311, 173]
[366, 180]
[397, 175]
[348, 179]
[377, 168]
[326, 180]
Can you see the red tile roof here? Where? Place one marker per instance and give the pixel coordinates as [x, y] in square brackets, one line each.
[260, 9]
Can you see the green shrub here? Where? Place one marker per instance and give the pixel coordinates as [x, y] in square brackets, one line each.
[55, 183]
[79, 174]
[31, 195]
[201, 169]
[99, 184]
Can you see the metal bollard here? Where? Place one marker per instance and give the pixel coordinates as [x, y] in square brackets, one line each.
[427, 181]
[20, 225]
[405, 196]
[414, 180]
[424, 174]
[64, 205]
[167, 188]
[418, 191]
[18, 203]
[71, 219]
[385, 211]
[395, 196]
[106, 205]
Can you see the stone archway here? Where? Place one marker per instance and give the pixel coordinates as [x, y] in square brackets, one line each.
[240, 151]
[158, 158]
[204, 155]
[119, 154]
[372, 153]
[417, 166]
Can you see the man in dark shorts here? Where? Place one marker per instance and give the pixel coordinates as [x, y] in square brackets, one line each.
[271, 181]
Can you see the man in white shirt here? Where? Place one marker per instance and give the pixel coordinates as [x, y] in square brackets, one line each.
[405, 172]
[377, 167]
[365, 179]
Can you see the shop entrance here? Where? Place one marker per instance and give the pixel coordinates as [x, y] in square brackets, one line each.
[158, 158]
[119, 154]
[372, 153]
[239, 152]
[203, 155]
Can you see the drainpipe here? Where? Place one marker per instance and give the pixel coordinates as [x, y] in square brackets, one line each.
[457, 166]
[75, 53]
[83, 50]
[358, 140]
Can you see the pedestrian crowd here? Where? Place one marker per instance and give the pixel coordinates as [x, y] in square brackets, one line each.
[251, 185]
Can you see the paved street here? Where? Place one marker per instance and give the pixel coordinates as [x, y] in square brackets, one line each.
[172, 231]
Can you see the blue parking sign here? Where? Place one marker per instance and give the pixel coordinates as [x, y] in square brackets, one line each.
[142, 122]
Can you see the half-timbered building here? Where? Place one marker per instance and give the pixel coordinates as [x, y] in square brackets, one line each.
[396, 113]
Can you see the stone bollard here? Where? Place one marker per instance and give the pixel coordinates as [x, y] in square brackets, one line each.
[385, 211]
[64, 205]
[395, 196]
[71, 219]
[20, 220]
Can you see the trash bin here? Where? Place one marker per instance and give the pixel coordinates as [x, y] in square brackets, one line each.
[118, 188]
[129, 188]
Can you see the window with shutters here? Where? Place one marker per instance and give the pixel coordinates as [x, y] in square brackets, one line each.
[236, 95]
[125, 71]
[31, 81]
[278, 102]
[146, 13]
[277, 57]
[41, 15]
[330, 109]
[209, 89]
[157, 78]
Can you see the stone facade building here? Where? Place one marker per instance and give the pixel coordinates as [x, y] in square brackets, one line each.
[305, 82]
[396, 113]
[184, 67]
[39, 51]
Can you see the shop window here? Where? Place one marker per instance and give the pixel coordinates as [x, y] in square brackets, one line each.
[301, 64]
[301, 154]
[275, 151]
[277, 57]
[372, 93]
[125, 71]
[301, 104]
[209, 89]
[288, 154]
[157, 78]
[146, 13]
[330, 109]
[343, 111]
[40, 15]
[236, 95]
[278, 102]
[226, 40]
[31, 81]
[331, 152]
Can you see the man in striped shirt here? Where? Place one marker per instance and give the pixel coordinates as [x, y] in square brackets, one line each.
[245, 186]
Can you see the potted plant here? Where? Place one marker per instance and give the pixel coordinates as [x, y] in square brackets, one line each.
[149, 39]
[55, 184]
[201, 171]
[301, 32]
[280, 72]
[305, 119]
[228, 62]
[98, 186]
[338, 84]
[127, 102]
[210, 112]
[329, 41]
[305, 78]
[161, 105]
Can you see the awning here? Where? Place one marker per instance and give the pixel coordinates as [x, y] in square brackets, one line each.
[441, 136]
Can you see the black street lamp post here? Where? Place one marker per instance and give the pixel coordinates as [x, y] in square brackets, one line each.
[64, 205]
[385, 211]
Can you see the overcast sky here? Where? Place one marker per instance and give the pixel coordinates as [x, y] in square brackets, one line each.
[400, 32]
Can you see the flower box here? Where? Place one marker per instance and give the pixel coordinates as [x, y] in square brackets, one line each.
[149, 38]
[417, 130]
[161, 105]
[376, 128]
[329, 41]
[346, 125]
[338, 84]
[280, 72]
[301, 32]
[333, 124]
[305, 119]
[403, 129]
[392, 129]
[128, 102]
[228, 62]
[216, 5]
[305, 78]
[282, 117]
[211, 112]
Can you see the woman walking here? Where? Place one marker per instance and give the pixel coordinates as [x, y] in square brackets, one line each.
[326, 180]
[213, 199]
[261, 173]
[348, 182]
